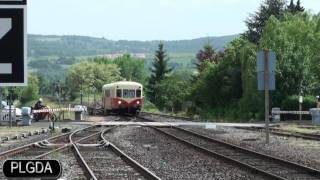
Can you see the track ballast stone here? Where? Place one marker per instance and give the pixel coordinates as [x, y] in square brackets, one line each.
[170, 159]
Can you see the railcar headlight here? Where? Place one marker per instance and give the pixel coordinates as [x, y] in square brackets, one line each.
[138, 102]
[119, 102]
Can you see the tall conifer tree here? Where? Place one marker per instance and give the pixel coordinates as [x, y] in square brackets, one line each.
[292, 7]
[159, 71]
[299, 8]
[256, 22]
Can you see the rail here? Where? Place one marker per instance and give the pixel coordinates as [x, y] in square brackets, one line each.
[168, 116]
[246, 152]
[144, 171]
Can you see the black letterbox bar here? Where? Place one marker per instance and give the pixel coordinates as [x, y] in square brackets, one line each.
[13, 2]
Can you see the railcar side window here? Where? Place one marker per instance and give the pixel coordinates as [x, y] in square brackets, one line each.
[119, 93]
[107, 93]
[129, 93]
[138, 93]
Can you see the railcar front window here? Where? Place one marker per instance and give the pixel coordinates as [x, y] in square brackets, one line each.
[128, 93]
[119, 93]
[138, 93]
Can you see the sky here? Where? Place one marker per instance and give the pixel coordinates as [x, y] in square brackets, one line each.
[143, 19]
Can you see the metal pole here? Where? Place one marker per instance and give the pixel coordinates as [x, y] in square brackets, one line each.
[0, 104]
[59, 99]
[81, 93]
[266, 93]
[10, 99]
[300, 109]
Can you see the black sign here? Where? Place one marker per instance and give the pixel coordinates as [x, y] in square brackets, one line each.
[13, 43]
[14, 2]
[48, 169]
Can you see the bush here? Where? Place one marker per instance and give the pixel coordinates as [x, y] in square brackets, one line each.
[291, 103]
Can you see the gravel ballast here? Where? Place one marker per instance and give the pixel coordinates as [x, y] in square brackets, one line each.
[301, 151]
[170, 159]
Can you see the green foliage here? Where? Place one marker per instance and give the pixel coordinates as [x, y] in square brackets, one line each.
[256, 22]
[75, 46]
[172, 91]
[159, 72]
[293, 9]
[228, 90]
[132, 69]
[48, 69]
[207, 54]
[292, 103]
[297, 54]
[31, 92]
[219, 87]
[91, 76]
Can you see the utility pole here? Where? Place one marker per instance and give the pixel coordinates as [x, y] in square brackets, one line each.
[266, 93]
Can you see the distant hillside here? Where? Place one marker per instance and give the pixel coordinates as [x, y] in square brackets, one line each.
[40, 45]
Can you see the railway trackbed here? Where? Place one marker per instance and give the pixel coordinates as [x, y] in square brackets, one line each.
[274, 131]
[104, 160]
[288, 133]
[268, 166]
[91, 156]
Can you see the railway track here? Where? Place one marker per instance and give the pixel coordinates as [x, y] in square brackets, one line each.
[95, 158]
[103, 160]
[288, 133]
[268, 166]
[168, 116]
[274, 131]
[43, 148]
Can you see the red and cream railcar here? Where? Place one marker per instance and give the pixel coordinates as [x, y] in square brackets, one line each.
[122, 97]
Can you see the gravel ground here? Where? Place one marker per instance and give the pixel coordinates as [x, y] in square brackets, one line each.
[170, 159]
[70, 166]
[107, 165]
[17, 143]
[4, 146]
[298, 150]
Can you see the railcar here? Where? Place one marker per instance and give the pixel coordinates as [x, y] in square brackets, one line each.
[122, 97]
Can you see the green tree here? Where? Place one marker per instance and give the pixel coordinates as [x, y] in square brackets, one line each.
[298, 7]
[256, 22]
[297, 54]
[292, 7]
[31, 92]
[159, 71]
[173, 91]
[87, 75]
[131, 68]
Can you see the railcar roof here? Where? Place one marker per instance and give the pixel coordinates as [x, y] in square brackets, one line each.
[130, 83]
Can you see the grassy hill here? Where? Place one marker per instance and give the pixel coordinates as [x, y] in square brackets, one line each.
[67, 46]
[51, 56]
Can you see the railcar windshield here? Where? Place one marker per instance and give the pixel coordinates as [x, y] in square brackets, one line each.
[119, 93]
[138, 93]
[129, 93]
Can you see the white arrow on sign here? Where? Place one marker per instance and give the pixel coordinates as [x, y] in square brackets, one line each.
[5, 27]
